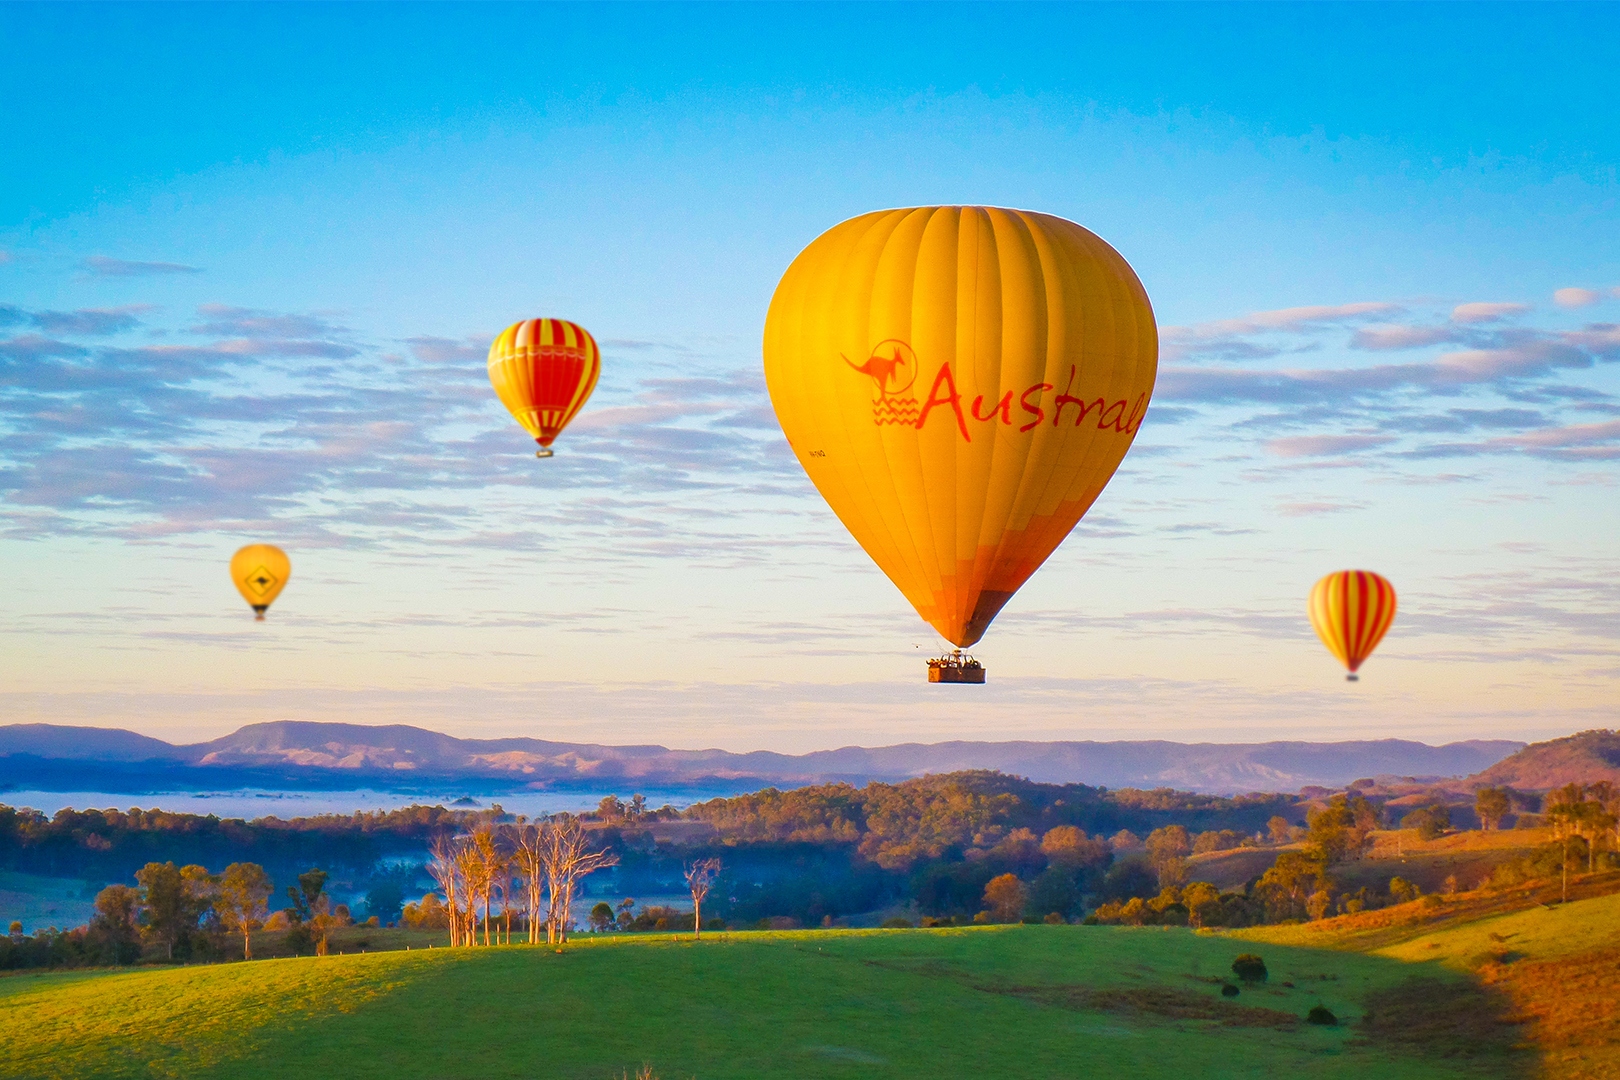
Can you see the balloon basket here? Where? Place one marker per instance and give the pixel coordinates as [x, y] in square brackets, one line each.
[957, 667]
[1352, 677]
[545, 452]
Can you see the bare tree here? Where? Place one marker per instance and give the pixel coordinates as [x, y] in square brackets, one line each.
[700, 878]
[448, 867]
[527, 858]
[564, 852]
[486, 865]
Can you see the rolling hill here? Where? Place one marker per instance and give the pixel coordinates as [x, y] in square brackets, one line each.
[294, 753]
[1585, 758]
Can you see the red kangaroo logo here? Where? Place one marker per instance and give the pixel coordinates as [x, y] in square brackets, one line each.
[892, 373]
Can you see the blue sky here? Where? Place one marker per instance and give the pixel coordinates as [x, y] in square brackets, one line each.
[251, 258]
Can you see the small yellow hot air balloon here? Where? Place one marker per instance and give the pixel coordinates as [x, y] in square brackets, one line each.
[1351, 610]
[960, 383]
[543, 370]
[260, 572]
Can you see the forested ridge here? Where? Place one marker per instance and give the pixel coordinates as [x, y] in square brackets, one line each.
[892, 826]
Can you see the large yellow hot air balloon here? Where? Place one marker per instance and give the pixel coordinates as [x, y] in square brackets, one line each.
[960, 383]
[260, 572]
[1351, 610]
[543, 370]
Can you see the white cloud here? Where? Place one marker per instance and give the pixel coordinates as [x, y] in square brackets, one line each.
[1295, 446]
[1401, 337]
[106, 266]
[1286, 319]
[1566, 436]
[1486, 311]
[1574, 298]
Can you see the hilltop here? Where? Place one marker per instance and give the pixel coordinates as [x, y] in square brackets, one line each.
[299, 753]
[1585, 758]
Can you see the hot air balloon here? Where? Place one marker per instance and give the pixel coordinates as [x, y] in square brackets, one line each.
[960, 383]
[260, 572]
[1351, 610]
[543, 370]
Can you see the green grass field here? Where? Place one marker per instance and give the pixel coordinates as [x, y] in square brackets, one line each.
[1014, 1001]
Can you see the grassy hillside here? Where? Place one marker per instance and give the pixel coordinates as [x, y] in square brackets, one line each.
[1552, 970]
[1018, 1001]
[1585, 758]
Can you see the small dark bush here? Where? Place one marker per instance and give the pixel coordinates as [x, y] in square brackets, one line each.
[897, 923]
[1249, 968]
[1054, 919]
[1320, 1015]
[1228, 990]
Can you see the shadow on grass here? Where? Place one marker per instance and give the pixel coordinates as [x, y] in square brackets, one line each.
[1449, 1020]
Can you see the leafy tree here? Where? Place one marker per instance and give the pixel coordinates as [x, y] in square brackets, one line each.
[307, 893]
[1004, 898]
[173, 900]
[308, 912]
[1343, 829]
[1217, 840]
[1279, 830]
[115, 925]
[1431, 822]
[384, 901]
[1125, 840]
[1402, 891]
[1286, 888]
[602, 918]
[1054, 891]
[1170, 842]
[1492, 805]
[243, 900]
[1203, 903]
[428, 913]
[1130, 877]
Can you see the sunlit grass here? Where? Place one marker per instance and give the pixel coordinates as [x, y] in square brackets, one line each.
[1033, 1001]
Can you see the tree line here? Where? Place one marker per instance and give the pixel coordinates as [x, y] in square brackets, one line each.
[176, 913]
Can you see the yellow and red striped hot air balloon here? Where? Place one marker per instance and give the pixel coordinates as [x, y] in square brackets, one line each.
[1351, 610]
[960, 383]
[544, 370]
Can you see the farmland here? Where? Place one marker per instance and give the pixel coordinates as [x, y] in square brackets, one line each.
[1036, 1001]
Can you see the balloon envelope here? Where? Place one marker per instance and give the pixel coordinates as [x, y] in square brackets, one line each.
[543, 370]
[260, 572]
[1351, 610]
[960, 383]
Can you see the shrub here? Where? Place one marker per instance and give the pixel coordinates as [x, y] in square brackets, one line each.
[1320, 1015]
[1402, 891]
[1054, 919]
[1228, 990]
[897, 923]
[1250, 968]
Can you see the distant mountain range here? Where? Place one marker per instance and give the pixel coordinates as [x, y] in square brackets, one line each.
[306, 755]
